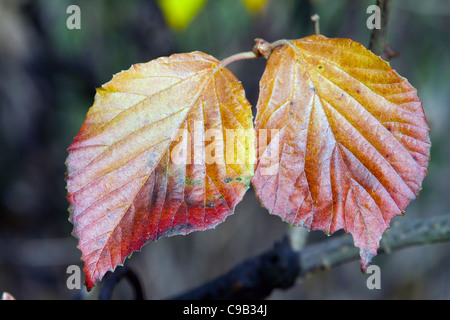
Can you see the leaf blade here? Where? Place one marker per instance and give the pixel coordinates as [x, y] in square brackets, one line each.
[353, 143]
[137, 169]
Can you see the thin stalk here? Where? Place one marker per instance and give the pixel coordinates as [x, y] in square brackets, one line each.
[315, 18]
[237, 57]
[262, 48]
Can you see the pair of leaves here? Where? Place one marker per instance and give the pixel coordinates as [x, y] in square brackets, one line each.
[169, 147]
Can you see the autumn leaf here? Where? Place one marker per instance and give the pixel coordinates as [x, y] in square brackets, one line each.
[342, 140]
[255, 5]
[166, 149]
[179, 13]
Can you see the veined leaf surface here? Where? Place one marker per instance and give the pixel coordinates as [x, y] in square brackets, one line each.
[166, 149]
[342, 140]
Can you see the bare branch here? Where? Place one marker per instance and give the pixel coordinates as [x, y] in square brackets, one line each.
[255, 278]
[378, 40]
[279, 267]
[113, 279]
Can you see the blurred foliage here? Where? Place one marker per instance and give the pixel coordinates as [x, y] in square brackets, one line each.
[48, 76]
[179, 13]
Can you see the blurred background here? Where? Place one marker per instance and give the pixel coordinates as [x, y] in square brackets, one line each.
[48, 76]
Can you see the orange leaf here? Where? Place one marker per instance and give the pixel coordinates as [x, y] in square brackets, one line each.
[342, 140]
[157, 156]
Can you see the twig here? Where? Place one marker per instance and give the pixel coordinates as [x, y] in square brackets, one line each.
[114, 278]
[378, 39]
[401, 235]
[278, 268]
[315, 18]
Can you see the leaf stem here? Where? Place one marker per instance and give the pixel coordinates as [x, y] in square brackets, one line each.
[262, 48]
[237, 57]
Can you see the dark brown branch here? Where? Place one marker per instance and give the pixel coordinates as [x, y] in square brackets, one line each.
[378, 40]
[113, 279]
[278, 268]
[254, 278]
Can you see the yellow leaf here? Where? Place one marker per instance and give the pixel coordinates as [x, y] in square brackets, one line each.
[179, 13]
[255, 5]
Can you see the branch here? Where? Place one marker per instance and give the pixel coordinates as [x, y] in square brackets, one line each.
[332, 253]
[114, 278]
[378, 40]
[279, 267]
[255, 278]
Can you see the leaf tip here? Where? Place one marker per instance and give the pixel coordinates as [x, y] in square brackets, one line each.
[366, 259]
